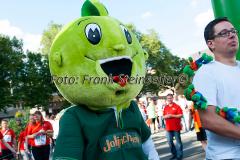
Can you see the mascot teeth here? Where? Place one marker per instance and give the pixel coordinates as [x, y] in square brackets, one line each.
[102, 61]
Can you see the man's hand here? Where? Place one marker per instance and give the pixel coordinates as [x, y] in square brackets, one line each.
[49, 133]
[172, 116]
[42, 131]
[168, 116]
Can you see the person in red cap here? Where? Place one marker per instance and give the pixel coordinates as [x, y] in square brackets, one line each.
[172, 114]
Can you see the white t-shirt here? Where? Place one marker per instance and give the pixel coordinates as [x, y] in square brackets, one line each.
[220, 85]
[143, 114]
[55, 128]
[151, 110]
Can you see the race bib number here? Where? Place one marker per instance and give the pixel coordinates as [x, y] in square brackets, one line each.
[40, 140]
[7, 138]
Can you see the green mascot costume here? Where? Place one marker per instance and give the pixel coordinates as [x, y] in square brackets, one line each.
[98, 65]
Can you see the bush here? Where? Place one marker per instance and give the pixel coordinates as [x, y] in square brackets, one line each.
[22, 116]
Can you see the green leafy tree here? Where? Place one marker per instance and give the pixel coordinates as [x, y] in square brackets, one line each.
[37, 87]
[11, 70]
[24, 77]
[163, 68]
[48, 36]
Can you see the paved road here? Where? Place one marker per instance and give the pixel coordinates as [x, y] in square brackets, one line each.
[192, 149]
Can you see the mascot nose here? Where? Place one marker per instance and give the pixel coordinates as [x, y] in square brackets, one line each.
[119, 47]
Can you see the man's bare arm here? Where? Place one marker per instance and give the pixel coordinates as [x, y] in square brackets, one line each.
[172, 116]
[215, 123]
[176, 116]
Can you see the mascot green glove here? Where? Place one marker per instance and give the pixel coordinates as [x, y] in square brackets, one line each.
[98, 65]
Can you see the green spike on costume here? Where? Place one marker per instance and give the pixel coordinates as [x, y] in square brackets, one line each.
[200, 102]
[217, 109]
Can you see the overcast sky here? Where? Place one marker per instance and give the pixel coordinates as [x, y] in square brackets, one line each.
[179, 24]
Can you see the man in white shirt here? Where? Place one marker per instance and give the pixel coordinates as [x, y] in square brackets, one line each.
[219, 82]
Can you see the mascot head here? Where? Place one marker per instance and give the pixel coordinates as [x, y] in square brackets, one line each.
[96, 61]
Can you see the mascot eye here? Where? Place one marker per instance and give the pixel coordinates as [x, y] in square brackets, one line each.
[93, 33]
[127, 34]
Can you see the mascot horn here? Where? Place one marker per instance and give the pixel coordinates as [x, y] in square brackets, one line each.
[98, 65]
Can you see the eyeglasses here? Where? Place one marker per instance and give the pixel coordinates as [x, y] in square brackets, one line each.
[226, 33]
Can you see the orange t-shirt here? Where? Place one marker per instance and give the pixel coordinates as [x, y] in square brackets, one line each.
[26, 133]
[8, 136]
[40, 139]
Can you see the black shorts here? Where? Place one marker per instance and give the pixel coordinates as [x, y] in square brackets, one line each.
[201, 136]
[6, 154]
[41, 152]
[153, 120]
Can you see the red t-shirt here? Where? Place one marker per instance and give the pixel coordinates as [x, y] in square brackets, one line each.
[40, 139]
[173, 124]
[8, 136]
[21, 140]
